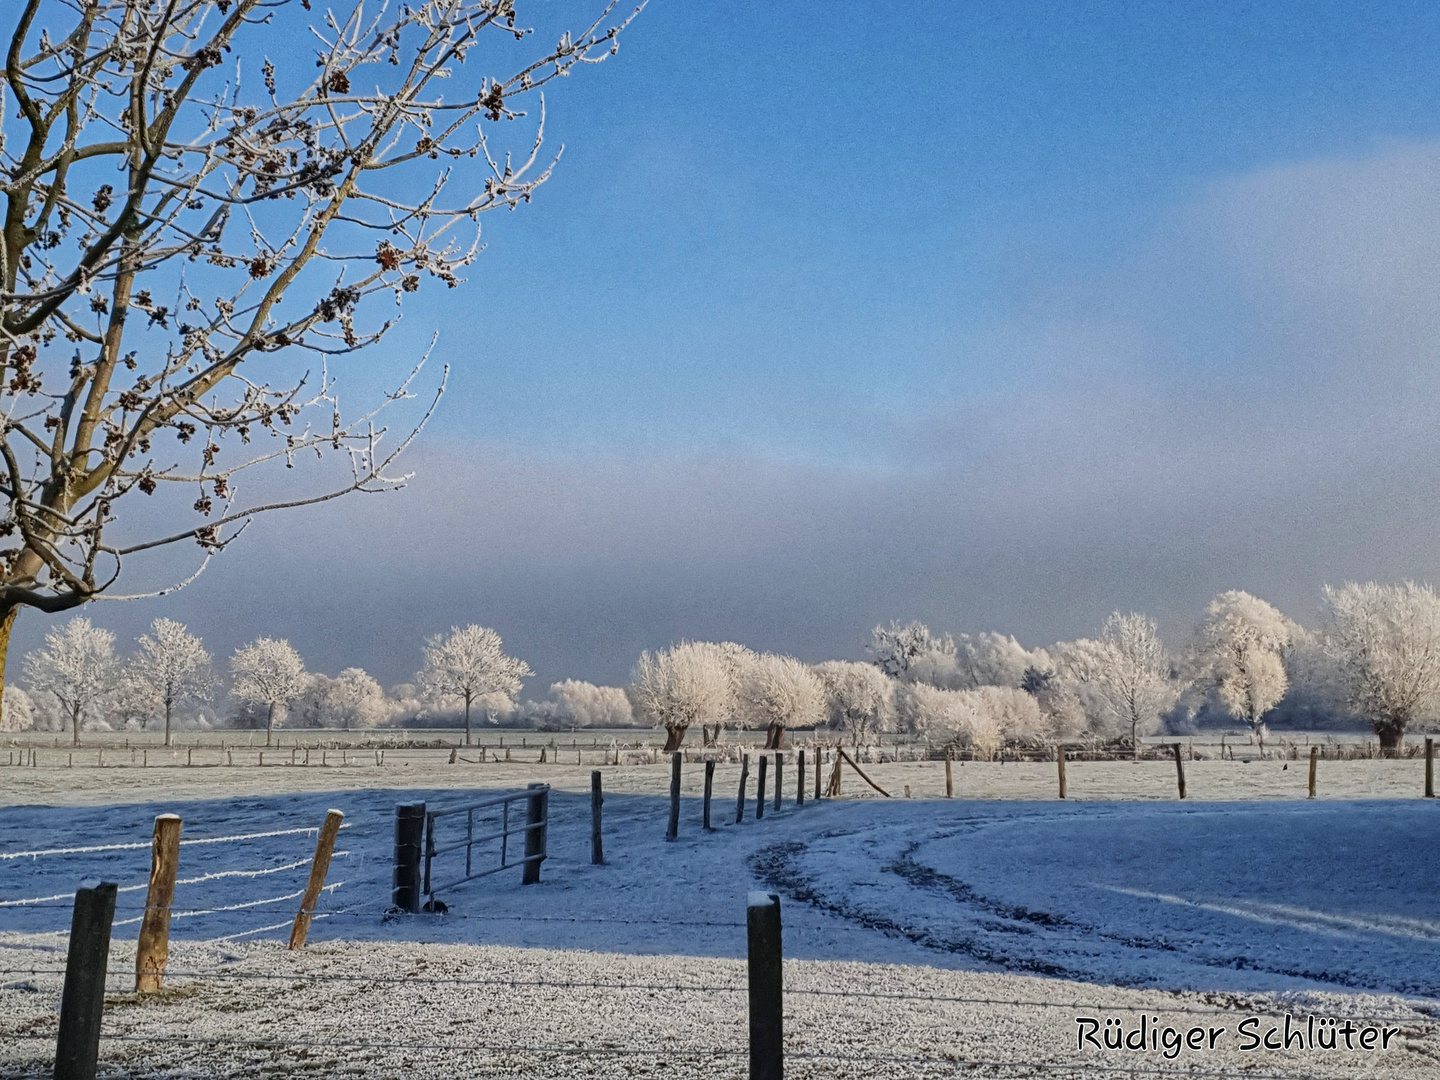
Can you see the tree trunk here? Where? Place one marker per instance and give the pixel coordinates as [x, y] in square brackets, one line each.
[75, 721]
[6, 622]
[169, 707]
[674, 736]
[1135, 739]
[775, 736]
[467, 722]
[1392, 736]
[270, 724]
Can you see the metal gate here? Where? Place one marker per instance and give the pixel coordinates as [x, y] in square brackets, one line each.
[495, 820]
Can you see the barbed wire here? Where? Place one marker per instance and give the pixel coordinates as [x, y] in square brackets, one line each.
[214, 875]
[139, 845]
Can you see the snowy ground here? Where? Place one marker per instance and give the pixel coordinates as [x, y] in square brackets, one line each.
[1251, 904]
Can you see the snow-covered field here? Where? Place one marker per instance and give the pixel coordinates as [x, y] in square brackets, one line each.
[1246, 898]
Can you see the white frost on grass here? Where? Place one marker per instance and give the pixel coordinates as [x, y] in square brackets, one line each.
[923, 898]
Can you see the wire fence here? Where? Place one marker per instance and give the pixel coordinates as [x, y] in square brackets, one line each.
[936, 1028]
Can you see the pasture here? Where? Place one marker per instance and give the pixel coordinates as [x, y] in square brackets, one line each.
[923, 936]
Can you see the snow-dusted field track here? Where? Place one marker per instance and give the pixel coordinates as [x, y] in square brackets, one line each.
[911, 926]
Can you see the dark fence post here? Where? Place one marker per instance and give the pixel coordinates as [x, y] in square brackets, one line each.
[536, 816]
[779, 776]
[760, 788]
[949, 782]
[1430, 768]
[740, 798]
[1314, 757]
[767, 1006]
[709, 789]
[597, 847]
[800, 778]
[409, 844]
[672, 829]
[1179, 770]
[1060, 764]
[77, 1047]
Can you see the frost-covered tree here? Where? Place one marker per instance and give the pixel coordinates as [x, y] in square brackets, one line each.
[911, 653]
[1318, 696]
[1241, 649]
[1126, 670]
[76, 665]
[860, 698]
[781, 692]
[469, 665]
[171, 667]
[163, 196]
[894, 649]
[19, 711]
[588, 705]
[689, 683]
[991, 659]
[984, 718]
[268, 672]
[1386, 641]
[353, 699]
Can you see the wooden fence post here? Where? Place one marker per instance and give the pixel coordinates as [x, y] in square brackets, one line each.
[597, 846]
[77, 1047]
[409, 846]
[760, 788]
[779, 776]
[536, 815]
[832, 790]
[949, 782]
[672, 829]
[1179, 770]
[709, 789]
[153, 948]
[1060, 765]
[766, 970]
[1314, 758]
[740, 798]
[800, 777]
[1430, 768]
[319, 867]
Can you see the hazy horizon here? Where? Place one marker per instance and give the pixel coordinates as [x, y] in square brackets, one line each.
[1000, 319]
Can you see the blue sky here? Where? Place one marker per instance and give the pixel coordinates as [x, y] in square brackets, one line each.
[769, 215]
[995, 315]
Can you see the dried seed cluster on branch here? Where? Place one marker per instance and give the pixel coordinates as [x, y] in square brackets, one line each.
[167, 185]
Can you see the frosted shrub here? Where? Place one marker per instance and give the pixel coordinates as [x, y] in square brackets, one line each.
[981, 732]
[860, 698]
[984, 718]
[18, 711]
[584, 704]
